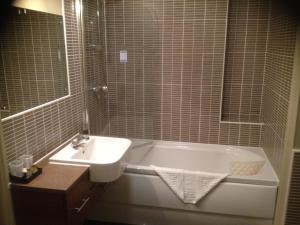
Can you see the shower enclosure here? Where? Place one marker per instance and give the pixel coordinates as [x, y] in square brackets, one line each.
[93, 45]
[131, 107]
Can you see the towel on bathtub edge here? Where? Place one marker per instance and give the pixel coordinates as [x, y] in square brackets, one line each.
[189, 186]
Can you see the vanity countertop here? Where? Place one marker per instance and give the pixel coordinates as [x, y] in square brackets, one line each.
[55, 177]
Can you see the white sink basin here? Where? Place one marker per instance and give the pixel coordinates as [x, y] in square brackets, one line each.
[105, 156]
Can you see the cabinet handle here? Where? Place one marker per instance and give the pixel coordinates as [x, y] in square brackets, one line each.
[84, 202]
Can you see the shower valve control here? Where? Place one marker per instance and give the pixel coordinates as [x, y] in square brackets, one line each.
[104, 88]
[99, 88]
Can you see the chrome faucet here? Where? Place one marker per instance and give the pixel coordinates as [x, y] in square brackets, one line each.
[78, 141]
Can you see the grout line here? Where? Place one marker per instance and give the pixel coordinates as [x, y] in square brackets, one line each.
[253, 66]
[208, 19]
[115, 64]
[230, 100]
[237, 122]
[83, 86]
[170, 84]
[154, 20]
[223, 68]
[276, 93]
[265, 64]
[125, 67]
[42, 58]
[212, 71]
[34, 60]
[275, 133]
[249, 135]
[5, 80]
[260, 135]
[25, 134]
[181, 72]
[243, 67]
[202, 62]
[59, 123]
[66, 48]
[184, 53]
[106, 69]
[50, 53]
[19, 66]
[143, 123]
[172, 53]
[14, 139]
[280, 55]
[192, 70]
[44, 130]
[134, 70]
[162, 72]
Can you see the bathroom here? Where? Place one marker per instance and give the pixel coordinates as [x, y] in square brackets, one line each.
[185, 87]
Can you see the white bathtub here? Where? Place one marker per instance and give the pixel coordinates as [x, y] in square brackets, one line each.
[141, 197]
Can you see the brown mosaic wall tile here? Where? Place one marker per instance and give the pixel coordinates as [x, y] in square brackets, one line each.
[279, 69]
[297, 135]
[170, 88]
[3, 88]
[293, 207]
[33, 62]
[245, 60]
[40, 131]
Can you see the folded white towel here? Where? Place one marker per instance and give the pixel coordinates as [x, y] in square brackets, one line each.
[189, 186]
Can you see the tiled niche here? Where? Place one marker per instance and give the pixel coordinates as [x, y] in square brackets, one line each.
[245, 57]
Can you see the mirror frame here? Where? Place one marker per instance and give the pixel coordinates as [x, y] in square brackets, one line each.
[68, 76]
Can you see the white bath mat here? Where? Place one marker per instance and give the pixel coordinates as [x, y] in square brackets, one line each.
[189, 186]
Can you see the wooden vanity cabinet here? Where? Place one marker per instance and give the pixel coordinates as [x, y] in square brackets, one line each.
[62, 195]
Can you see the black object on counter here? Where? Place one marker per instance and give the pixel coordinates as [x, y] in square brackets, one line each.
[28, 176]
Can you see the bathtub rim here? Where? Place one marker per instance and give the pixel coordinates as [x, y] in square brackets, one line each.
[266, 176]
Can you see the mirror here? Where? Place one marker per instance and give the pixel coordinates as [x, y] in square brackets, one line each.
[33, 63]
